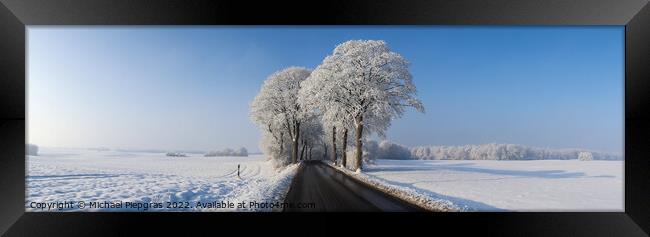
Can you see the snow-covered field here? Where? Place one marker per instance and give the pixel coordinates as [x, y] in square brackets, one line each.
[58, 175]
[533, 185]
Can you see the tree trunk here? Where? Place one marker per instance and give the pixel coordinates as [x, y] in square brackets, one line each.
[334, 145]
[344, 157]
[309, 153]
[359, 133]
[281, 143]
[302, 152]
[296, 134]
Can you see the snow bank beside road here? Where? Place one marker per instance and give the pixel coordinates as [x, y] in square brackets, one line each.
[410, 195]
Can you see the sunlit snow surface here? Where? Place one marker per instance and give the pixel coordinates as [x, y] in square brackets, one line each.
[533, 185]
[58, 175]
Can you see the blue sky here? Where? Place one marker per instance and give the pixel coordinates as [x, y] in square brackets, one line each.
[190, 87]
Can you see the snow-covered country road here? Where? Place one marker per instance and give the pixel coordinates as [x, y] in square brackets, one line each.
[331, 190]
[57, 175]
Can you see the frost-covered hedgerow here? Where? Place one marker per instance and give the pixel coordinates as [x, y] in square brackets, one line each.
[228, 152]
[492, 151]
[495, 151]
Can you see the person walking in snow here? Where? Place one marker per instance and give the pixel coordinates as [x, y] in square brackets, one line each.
[238, 171]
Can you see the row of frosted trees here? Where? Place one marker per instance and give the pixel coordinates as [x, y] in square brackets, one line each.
[355, 92]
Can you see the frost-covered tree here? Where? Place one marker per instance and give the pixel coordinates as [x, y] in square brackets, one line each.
[365, 84]
[311, 137]
[242, 151]
[270, 146]
[317, 96]
[585, 156]
[276, 111]
[389, 150]
[270, 123]
[341, 124]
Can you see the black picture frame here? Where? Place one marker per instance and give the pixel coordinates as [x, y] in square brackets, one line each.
[15, 15]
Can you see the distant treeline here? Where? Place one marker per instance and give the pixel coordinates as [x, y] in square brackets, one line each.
[228, 152]
[492, 151]
[176, 154]
[31, 149]
[146, 150]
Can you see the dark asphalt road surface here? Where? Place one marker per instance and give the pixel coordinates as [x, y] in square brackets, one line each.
[332, 191]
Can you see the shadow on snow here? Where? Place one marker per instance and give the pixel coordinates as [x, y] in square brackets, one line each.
[466, 167]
